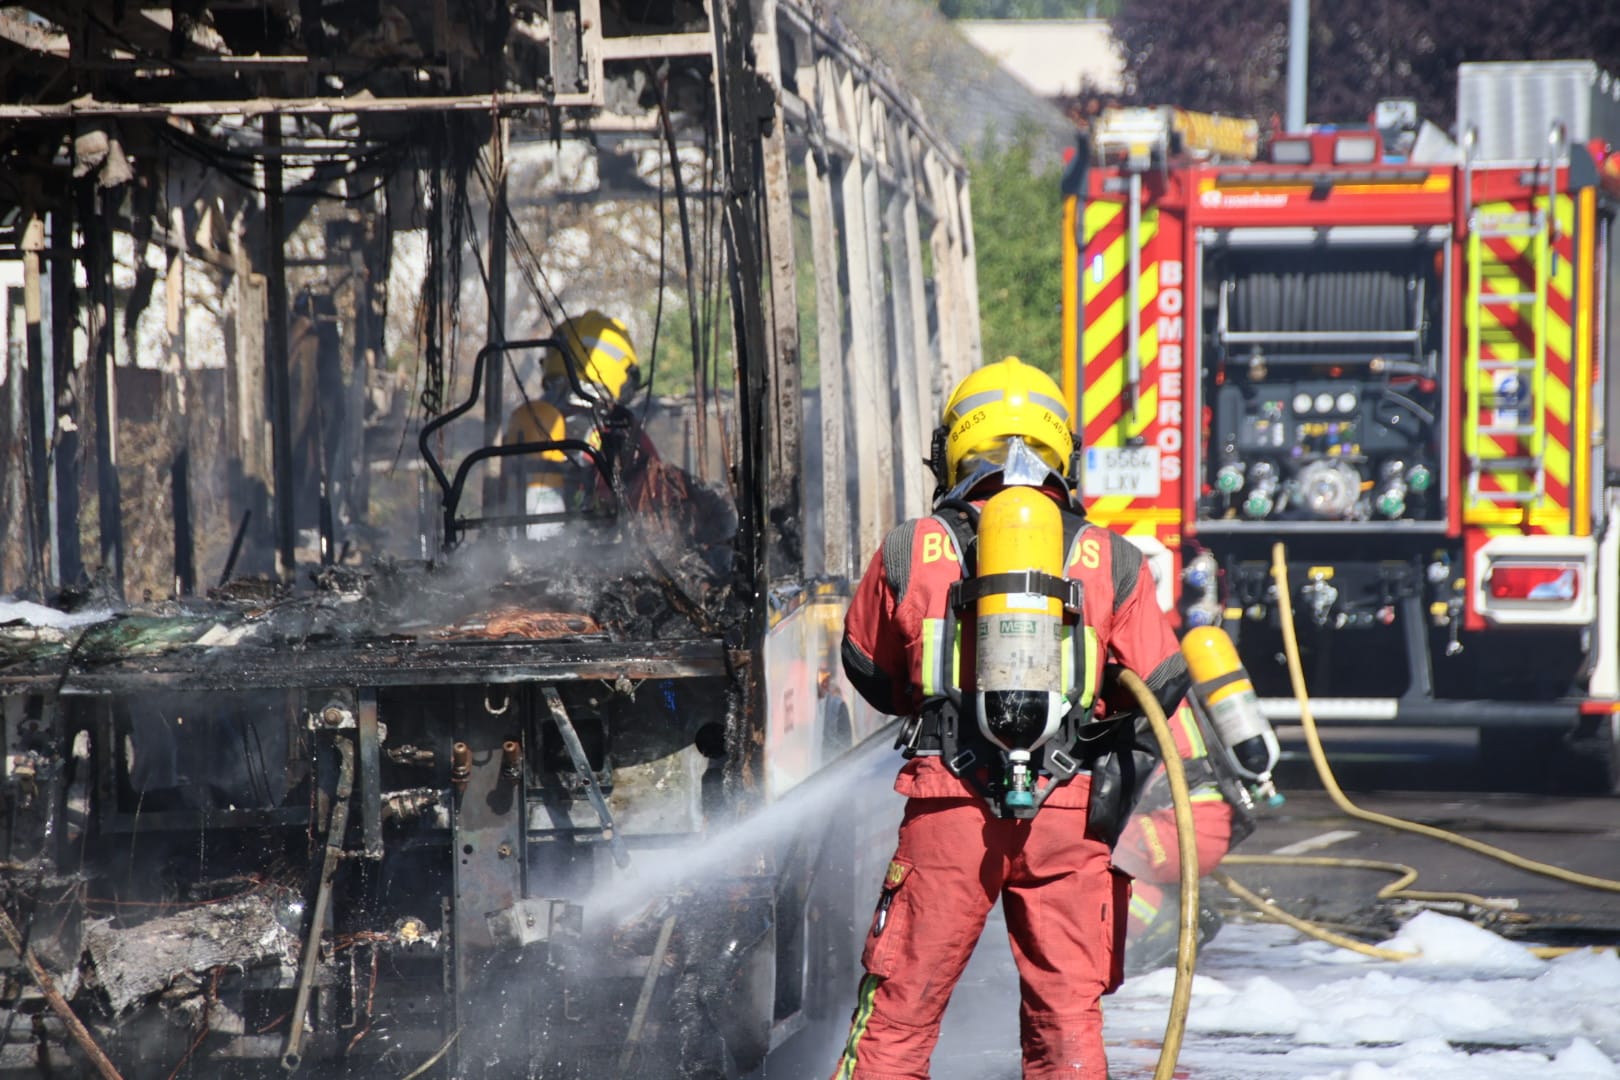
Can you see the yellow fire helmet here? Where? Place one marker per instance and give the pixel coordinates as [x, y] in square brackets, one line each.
[602, 349]
[999, 414]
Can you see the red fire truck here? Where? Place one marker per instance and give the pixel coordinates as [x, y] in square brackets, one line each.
[1394, 352]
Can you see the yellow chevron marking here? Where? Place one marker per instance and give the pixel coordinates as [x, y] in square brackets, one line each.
[1558, 399]
[1509, 519]
[1564, 214]
[1118, 510]
[1109, 387]
[1147, 408]
[1556, 461]
[1106, 329]
[1109, 508]
[1115, 256]
[1099, 214]
[1112, 266]
[1104, 389]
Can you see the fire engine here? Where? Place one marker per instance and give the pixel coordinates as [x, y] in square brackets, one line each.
[1392, 351]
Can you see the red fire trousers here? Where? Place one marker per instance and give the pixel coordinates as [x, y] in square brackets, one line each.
[1065, 912]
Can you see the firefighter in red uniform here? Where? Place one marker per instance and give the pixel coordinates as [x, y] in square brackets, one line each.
[959, 848]
[1148, 848]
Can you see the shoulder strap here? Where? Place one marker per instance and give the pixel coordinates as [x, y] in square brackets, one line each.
[965, 537]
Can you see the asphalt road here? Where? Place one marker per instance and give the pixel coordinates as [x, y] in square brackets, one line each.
[1433, 778]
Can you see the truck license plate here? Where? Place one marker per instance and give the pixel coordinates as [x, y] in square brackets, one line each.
[1121, 470]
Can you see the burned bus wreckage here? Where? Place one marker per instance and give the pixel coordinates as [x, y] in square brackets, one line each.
[329, 756]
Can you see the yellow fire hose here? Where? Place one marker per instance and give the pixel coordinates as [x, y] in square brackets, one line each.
[1187, 936]
[1405, 874]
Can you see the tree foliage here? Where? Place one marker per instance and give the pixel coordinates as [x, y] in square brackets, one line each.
[1016, 231]
[1231, 56]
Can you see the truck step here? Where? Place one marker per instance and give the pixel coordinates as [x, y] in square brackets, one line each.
[1505, 464]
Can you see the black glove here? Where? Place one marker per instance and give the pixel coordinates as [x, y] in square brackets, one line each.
[1121, 763]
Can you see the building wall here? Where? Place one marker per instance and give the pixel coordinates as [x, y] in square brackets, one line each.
[1053, 57]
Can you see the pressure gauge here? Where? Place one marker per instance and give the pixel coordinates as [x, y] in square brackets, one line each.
[1324, 402]
[1302, 403]
[1347, 402]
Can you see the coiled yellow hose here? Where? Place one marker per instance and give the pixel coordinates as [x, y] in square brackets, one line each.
[1296, 676]
[1405, 875]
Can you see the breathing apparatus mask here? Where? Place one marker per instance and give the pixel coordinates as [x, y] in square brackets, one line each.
[1008, 461]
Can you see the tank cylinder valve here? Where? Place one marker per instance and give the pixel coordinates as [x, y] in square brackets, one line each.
[1019, 665]
[1222, 687]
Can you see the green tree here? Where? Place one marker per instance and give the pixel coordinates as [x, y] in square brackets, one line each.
[1016, 231]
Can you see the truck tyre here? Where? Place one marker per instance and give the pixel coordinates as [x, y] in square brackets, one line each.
[1551, 762]
[1594, 754]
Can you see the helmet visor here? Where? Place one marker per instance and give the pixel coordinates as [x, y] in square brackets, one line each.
[558, 390]
[1015, 461]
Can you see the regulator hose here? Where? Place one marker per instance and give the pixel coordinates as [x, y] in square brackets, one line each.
[1187, 936]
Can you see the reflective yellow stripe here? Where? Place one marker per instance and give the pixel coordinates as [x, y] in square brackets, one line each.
[1089, 693]
[933, 633]
[1066, 649]
[956, 659]
[603, 345]
[1157, 855]
[1139, 907]
[1204, 794]
[1195, 737]
[864, 1000]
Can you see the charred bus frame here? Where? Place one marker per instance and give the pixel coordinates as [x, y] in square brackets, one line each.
[512, 773]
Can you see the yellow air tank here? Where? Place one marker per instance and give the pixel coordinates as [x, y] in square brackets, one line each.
[1222, 687]
[543, 477]
[1019, 664]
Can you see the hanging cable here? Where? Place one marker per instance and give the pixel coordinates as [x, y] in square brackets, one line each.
[663, 267]
[699, 391]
